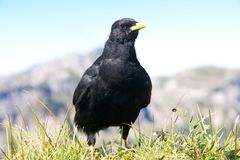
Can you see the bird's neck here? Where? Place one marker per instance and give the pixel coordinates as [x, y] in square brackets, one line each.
[115, 49]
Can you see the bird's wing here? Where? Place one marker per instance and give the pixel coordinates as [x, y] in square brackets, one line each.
[81, 96]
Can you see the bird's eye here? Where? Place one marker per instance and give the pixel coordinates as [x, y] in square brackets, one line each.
[125, 26]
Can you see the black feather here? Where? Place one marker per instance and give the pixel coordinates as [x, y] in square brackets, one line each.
[115, 88]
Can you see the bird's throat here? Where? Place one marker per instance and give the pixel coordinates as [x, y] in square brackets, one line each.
[114, 49]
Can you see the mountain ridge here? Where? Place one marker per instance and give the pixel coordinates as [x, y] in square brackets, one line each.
[209, 87]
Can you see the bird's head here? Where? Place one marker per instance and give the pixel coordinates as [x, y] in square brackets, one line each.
[125, 30]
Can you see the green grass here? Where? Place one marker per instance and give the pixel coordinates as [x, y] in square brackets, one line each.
[52, 139]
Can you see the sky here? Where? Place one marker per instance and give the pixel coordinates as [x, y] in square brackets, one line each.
[179, 34]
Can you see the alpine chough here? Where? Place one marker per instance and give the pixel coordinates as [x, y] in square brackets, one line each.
[114, 89]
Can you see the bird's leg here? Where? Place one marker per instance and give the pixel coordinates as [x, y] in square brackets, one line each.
[125, 131]
[126, 143]
[91, 139]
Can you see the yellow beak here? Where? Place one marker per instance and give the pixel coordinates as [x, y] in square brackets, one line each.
[137, 26]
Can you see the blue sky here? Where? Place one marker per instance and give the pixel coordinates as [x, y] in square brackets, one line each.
[179, 34]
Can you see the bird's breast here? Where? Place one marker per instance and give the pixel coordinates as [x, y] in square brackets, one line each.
[118, 72]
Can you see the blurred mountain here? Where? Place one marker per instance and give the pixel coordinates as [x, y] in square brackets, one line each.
[209, 88]
[53, 83]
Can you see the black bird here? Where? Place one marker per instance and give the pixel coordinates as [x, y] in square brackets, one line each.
[114, 89]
